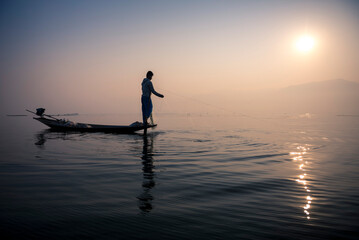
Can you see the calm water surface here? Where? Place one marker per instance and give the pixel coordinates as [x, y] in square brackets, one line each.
[194, 177]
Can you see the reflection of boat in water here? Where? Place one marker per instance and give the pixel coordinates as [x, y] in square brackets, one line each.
[66, 125]
[51, 134]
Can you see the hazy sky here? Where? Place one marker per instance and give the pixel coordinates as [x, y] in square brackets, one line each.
[91, 56]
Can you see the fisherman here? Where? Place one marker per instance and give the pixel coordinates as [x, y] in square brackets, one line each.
[147, 89]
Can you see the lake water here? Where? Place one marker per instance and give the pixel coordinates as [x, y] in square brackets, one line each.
[193, 177]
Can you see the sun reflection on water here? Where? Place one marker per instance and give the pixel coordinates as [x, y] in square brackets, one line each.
[298, 157]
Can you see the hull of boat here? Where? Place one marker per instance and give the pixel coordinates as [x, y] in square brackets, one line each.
[61, 125]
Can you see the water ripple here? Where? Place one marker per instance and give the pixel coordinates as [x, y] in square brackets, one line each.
[286, 183]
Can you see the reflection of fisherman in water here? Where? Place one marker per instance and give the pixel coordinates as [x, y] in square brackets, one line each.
[145, 198]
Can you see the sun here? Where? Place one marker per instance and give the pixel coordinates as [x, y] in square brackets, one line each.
[305, 43]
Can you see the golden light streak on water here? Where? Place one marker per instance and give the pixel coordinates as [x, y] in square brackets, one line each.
[302, 150]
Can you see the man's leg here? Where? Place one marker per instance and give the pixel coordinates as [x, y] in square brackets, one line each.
[151, 118]
[145, 129]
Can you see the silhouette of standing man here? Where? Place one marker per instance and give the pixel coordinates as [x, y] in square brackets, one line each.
[147, 89]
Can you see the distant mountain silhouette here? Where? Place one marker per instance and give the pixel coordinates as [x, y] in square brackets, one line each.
[335, 97]
[324, 97]
[332, 96]
[335, 85]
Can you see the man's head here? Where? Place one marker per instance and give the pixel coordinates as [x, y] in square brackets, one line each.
[149, 75]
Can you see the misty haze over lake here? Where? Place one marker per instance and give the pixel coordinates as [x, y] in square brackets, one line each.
[257, 134]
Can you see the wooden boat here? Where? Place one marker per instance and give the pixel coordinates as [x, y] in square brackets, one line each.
[63, 125]
[66, 125]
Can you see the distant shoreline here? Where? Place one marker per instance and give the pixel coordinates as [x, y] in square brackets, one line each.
[347, 115]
